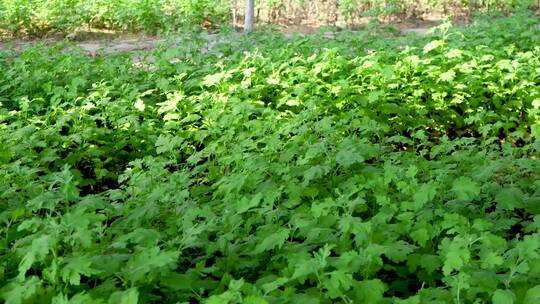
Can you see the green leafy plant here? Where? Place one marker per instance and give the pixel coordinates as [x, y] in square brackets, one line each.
[275, 170]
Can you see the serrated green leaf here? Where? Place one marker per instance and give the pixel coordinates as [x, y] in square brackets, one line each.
[130, 296]
[346, 158]
[268, 287]
[37, 252]
[276, 239]
[509, 198]
[503, 297]
[532, 296]
[251, 299]
[447, 76]
[75, 267]
[457, 254]
[375, 96]
[409, 300]
[421, 236]
[369, 291]
[535, 130]
[147, 261]
[139, 105]
[425, 194]
[398, 251]
[491, 259]
[304, 267]
[432, 45]
[338, 283]
[19, 292]
[465, 188]
[244, 204]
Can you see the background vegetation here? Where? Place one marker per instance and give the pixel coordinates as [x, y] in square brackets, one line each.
[39, 17]
[351, 11]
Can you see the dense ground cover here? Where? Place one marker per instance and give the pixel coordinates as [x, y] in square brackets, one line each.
[271, 170]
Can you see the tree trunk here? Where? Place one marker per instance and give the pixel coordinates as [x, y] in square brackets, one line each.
[249, 16]
[234, 13]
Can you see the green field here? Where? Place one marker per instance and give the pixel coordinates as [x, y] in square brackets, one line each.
[368, 168]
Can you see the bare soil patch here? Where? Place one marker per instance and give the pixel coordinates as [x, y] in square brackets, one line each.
[98, 42]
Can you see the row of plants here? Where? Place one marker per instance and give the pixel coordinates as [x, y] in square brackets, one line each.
[39, 17]
[353, 11]
[358, 169]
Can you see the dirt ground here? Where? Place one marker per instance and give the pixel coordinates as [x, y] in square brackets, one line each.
[96, 42]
